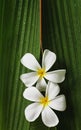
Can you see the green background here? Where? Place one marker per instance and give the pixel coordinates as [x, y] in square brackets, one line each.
[20, 33]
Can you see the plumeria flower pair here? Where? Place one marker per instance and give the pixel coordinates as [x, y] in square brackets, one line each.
[43, 104]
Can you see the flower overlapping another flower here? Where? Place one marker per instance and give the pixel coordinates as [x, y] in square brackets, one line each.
[43, 104]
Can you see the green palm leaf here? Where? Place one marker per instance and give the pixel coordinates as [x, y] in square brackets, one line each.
[61, 34]
[19, 34]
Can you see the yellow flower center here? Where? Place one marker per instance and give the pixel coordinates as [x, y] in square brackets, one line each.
[44, 101]
[41, 72]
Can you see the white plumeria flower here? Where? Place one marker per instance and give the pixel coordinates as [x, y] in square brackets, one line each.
[39, 73]
[44, 105]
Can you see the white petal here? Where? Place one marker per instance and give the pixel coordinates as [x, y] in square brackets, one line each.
[29, 61]
[57, 76]
[59, 103]
[32, 94]
[33, 111]
[29, 78]
[49, 118]
[41, 85]
[52, 90]
[48, 60]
